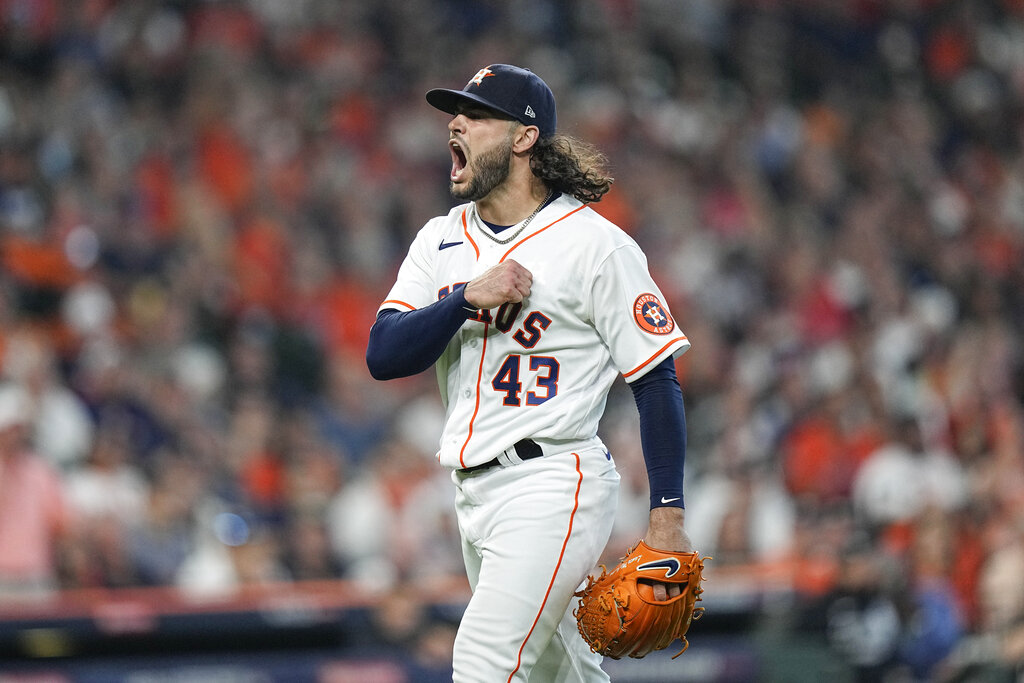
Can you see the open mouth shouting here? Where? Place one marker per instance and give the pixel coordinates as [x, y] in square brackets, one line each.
[459, 160]
[473, 176]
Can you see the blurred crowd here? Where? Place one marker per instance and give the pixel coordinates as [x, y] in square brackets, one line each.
[202, 203]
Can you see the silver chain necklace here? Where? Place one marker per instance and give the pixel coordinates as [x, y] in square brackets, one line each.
[522, 226]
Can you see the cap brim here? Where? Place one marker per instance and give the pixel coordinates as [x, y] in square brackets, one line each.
[447, 101]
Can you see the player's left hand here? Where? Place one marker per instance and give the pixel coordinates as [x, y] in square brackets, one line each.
[665, 532]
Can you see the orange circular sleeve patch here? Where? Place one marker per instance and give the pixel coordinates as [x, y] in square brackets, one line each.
[651, 316]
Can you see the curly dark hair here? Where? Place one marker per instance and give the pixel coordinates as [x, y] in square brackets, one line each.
[571, 166]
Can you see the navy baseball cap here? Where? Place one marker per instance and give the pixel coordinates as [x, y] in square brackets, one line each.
[511, 90]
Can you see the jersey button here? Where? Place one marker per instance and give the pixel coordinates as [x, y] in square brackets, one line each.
[466, 393]
[472, 343]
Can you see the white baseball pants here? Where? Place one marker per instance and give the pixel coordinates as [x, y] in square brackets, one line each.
[531, 533]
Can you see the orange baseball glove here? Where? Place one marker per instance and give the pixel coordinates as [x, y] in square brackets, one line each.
[618, 615]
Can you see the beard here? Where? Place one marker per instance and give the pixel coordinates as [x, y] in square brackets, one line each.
[490, 170]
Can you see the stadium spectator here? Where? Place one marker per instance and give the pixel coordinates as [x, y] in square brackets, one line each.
[34, 518]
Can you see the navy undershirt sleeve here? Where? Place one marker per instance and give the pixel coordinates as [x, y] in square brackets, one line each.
[405, 343]
[659, 400]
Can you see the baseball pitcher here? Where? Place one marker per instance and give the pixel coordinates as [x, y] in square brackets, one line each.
[528, 304]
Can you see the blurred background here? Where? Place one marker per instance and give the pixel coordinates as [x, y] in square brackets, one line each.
[202, 204]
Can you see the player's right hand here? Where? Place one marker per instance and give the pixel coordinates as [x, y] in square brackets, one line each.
[507, 282]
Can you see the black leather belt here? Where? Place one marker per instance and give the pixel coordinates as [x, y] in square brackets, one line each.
[527, 449]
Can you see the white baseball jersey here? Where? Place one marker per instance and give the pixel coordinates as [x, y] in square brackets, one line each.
[542, 368]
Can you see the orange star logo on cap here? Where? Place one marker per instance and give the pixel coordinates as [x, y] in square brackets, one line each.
[481, 75]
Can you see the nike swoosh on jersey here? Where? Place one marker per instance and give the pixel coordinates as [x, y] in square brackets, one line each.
[445, 245]
[669, 500]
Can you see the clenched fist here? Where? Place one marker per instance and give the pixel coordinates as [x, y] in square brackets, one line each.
[507, 282]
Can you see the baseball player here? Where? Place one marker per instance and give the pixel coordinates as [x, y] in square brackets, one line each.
[529, 304]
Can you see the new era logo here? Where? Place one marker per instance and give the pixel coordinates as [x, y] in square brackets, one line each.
[530, 112]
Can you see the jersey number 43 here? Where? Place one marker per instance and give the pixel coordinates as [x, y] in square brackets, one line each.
[507, 380]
